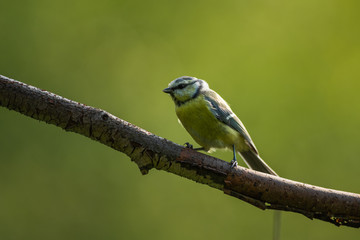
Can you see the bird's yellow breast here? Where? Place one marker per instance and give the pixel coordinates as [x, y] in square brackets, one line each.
[204, 127]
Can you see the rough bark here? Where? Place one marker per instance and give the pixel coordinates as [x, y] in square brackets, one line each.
[150, 151]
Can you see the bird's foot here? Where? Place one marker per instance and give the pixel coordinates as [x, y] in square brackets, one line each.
[188, 145]
[233, 163]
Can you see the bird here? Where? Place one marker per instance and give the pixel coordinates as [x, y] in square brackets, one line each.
[209, 120]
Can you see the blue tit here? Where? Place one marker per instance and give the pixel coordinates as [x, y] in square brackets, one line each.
[211, 122]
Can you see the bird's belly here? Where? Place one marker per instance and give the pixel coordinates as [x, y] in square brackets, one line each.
[205, 128]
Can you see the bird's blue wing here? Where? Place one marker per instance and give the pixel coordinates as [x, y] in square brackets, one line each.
[223, 113]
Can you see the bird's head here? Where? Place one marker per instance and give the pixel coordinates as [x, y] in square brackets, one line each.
[185, 88]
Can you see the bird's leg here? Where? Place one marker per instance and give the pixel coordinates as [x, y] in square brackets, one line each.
[188, 145]
[233, 162]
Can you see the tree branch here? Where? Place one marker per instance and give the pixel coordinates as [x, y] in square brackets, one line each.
[150, 151]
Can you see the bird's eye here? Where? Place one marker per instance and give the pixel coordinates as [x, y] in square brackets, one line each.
[181, 86]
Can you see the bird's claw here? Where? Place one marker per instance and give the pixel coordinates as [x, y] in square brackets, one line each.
[188, 145]
[233, 163]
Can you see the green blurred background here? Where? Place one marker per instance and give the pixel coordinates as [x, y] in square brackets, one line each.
[289, 69]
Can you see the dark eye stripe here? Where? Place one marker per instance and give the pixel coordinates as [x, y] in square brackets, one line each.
[184, 85]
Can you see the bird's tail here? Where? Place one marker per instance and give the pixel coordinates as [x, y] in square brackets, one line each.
[254, 161]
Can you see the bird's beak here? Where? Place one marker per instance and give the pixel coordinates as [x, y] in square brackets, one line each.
[167, 90]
